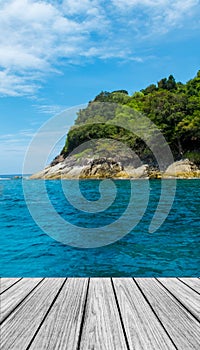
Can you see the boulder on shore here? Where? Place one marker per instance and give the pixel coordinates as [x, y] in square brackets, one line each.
[182, 169]
[103, 168]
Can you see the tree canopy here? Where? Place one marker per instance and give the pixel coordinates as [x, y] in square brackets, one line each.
[173, 106]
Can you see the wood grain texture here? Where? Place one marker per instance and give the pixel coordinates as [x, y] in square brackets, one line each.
[193, 283]
[143, 329]
[139, 314]
[102, 327]
[182, 327]
[6, 283]
[189, 298]
[61, 327]
[14, 295]
[20, 327]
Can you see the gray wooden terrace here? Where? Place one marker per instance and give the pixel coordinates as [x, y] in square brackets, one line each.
[100, 313]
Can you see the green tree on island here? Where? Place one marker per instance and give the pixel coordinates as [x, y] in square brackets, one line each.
[174, 108]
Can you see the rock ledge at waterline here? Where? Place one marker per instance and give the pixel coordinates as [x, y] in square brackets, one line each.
[101, 168]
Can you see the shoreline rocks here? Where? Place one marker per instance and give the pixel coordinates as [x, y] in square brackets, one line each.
[182, 169]
[101, 168]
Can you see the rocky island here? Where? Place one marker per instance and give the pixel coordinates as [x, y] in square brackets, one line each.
[101, 144]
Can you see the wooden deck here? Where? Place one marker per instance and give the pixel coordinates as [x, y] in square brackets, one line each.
[100, 313]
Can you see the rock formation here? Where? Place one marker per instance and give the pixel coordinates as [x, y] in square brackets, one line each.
[182, 169]
[99, 168]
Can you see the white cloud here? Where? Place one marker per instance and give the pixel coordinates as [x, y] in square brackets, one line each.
[19, 137]
[158, 15]
[81, 7]
[36, 34]
[17, 82]
[50, 109]
[176, 12]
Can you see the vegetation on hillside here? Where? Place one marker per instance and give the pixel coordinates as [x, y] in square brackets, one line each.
[174, 108]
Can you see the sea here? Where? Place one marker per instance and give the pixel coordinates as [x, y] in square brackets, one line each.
[121, 243]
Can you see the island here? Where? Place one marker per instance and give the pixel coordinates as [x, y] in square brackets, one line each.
[102, 145]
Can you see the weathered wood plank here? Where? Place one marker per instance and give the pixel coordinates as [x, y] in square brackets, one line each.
[193, 283]
[14, 295]
[189, 298]
[20, 327]
[182, 327]
[61, 327]
[102, 327]
[6, 283]
[34, 321]
[143, 329]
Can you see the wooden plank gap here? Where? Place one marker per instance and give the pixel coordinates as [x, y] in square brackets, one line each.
[83, 316]
[10, 285]
[120, 315]
[145, 297]
[62, 324]
[188, 285]
[46, 314]
[102, 324]
[20, 303]
[178, 300]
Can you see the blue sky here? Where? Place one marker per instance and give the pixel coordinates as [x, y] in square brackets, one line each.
[58, 54]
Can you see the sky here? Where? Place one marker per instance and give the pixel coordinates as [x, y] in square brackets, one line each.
[59, 54]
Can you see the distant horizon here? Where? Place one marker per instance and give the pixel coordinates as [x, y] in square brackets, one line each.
[15, 174]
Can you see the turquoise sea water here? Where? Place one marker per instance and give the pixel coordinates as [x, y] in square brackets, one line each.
[173, 250]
